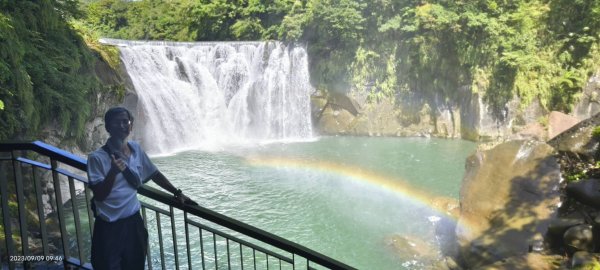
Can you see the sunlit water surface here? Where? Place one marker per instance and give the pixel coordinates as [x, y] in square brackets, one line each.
[324, 194]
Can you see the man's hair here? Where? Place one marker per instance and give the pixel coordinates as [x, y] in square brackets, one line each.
[113, 112]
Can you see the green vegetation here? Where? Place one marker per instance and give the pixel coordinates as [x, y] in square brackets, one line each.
[537, 49]
[596, 132]
[46, 71]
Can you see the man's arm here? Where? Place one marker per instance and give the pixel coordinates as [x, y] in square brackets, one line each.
[163, 182]
[103, 188]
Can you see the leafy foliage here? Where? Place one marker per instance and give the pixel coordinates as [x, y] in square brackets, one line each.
[45, 69]
[531, 49]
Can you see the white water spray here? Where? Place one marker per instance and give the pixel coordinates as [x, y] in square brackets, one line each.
[212, 95]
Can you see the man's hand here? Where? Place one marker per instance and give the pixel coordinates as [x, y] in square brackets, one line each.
[184, 199]
[119, 163]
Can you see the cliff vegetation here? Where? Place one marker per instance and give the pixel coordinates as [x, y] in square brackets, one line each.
[541, 49]
[47, 72]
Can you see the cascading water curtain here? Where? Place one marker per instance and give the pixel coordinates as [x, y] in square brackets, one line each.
[213, 95]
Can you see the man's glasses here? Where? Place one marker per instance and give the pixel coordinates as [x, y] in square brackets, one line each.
[118, 123]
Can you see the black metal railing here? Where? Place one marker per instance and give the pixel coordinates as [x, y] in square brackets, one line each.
[52, 181]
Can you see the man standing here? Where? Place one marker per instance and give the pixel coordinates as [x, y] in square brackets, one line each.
[115, 172]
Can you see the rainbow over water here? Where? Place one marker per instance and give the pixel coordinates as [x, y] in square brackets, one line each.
[394, 184]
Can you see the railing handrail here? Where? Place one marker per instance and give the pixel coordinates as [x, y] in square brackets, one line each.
[207, 214]
[47, 150]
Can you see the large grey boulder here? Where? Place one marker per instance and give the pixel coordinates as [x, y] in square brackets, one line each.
[508, 196]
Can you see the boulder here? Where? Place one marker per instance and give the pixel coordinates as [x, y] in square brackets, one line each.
[530, 261]
[584, 260]
[558, 227]
[578, 139]
[586, 191]
[508, 195]
[559, 122]
[579, 238]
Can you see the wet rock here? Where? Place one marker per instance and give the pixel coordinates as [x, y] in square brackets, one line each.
[412, 247]
[586, 191]
[508, 195]
[579, 238]
[537, 244]
[445, 227]
[584, 259]
[450, 206]
[451, 263]
[530, 261]
[558, 227]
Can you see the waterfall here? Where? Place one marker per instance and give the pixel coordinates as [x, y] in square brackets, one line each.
[213, 95]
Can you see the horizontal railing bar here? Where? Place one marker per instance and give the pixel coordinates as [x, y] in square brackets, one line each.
[243, 242]
[34, 163]
[70, 174]
[48, 167]
[47, 150]
[244, 228]
[76, 262]
[157, 209]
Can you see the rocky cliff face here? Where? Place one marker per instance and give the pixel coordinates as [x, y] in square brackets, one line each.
[95, 135]
[589, 102]
[467, 116]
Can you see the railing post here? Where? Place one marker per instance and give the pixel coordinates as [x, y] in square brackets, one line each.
[215, 248]
[10, 246]
[202, 249]
[76, 220]
[175, 250]
[187, 240]
[91, 218]
[160, 241]
[148, 253]
[21, 205]
[59, 209]
[41, 214]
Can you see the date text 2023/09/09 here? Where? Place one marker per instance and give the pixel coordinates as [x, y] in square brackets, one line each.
[35, 258]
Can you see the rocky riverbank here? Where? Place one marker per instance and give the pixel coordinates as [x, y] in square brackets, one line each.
[533, 205]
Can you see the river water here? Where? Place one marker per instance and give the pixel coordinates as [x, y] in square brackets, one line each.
[247, 106]
[344, 197]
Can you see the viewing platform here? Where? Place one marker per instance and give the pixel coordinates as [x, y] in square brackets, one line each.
[47, 221]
